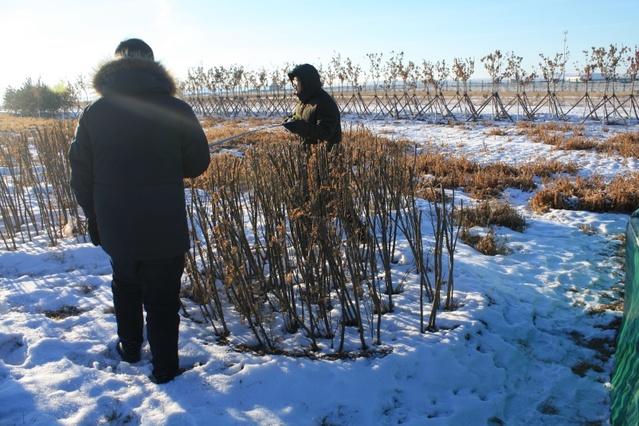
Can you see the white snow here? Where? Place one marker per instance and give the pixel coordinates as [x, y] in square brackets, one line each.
[505, 356]
[472, 141]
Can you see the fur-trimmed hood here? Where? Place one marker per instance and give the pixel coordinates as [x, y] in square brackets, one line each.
[310, 79]
[133, 75]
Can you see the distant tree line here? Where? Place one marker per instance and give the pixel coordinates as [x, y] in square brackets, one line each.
[393, 71]
[38, 99]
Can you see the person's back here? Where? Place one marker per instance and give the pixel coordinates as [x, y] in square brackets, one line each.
[143, 142]
[133, 147]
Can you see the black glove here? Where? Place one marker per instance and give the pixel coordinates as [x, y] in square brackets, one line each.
[297, 126]
[93, 231]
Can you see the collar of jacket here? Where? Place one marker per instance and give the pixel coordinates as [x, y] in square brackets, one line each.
[133, 75]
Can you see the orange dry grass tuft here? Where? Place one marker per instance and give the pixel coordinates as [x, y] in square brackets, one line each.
[560, 135]
[217, 130]
[620, 195]
[484, 181]
[578, 143]
[625, 144]
[16, 123]
[489, 213]
[496, 131]
[487, 244]
[548, 168]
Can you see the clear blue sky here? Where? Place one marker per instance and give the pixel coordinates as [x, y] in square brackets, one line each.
[57, 40]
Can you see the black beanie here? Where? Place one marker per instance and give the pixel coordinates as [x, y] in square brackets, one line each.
[134, 48]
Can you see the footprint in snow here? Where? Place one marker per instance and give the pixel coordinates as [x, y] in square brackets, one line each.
[13, 348]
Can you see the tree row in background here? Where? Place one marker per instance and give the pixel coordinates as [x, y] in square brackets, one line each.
[383, 73]
[392, 71]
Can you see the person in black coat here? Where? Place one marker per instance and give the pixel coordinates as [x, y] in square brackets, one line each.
[132, 149]
[316, 117]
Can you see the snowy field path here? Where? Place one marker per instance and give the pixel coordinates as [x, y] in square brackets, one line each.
[530, 343]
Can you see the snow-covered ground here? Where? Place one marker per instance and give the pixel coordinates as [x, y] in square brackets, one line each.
[473, 141]
[529, 344]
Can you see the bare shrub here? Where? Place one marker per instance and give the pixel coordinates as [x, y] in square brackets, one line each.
[308, 237]
[410, 220]
[35, 193]
[446, 234]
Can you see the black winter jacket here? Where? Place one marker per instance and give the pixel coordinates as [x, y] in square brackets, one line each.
[131, 151]
[316, 108]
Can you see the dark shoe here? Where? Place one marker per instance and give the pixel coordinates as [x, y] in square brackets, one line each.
[161, 378]
[128, 354]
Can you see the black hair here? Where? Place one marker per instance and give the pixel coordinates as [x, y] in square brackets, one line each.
[134, 48]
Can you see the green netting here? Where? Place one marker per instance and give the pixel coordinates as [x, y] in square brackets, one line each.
[625, 381]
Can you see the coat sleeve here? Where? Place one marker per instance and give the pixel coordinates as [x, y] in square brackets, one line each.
[195, 148]
[81, 160]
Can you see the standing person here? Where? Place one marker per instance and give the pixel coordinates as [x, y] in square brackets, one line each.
[316, 119]
[132, 149]
[316, 116]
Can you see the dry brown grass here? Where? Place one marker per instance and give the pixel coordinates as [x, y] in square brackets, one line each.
[496, 131]
[560, 135]
[217, 130]
[491, 212]
[236, 122]
[431, 194]
[625, 144]
[10, 122]
[621, 195]
[488, 214]
[221, 131]
[454, 123]
[552, 126]
[572, 137]
[524, 125]
[491, 180]
[578, 143]
[484, 181]
[487, 244]
[548, 168]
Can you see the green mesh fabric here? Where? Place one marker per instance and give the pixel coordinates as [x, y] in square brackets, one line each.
[625, 380]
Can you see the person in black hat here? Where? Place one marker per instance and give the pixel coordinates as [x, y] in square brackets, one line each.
[316, 117]
[131, 151]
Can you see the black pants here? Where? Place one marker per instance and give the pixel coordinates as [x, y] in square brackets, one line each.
[154, 285]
